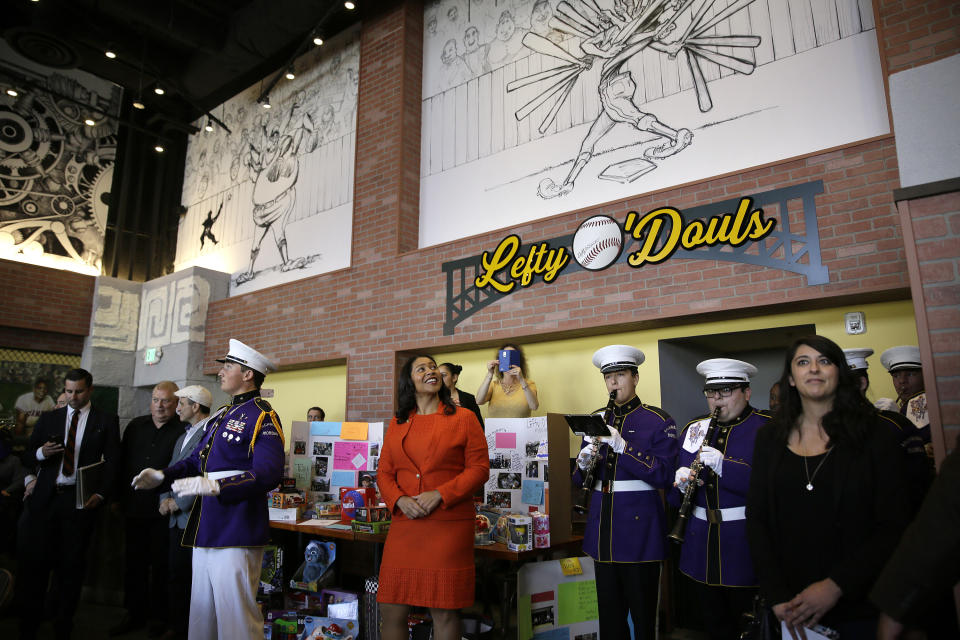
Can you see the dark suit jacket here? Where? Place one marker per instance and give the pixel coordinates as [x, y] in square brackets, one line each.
[468, 401]
[101, 438]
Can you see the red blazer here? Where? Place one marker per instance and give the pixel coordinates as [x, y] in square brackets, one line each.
[457, 466]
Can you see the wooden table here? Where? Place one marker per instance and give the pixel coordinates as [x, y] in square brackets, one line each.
[495, 551]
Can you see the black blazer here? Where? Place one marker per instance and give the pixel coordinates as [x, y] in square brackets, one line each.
[468, 401]
[101, 438]
[870, 511]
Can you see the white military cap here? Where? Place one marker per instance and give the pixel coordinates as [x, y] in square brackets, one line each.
[857, 358]
[248, 357]
[617, 357]
[195, 393]
[723, 372]
[896, 358]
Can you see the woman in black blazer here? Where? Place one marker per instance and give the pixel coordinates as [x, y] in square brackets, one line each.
[451, 373]
[827, 500]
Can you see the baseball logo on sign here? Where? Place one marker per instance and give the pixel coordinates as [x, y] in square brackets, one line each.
[597, 243]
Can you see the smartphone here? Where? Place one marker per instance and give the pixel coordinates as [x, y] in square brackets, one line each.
[508, 358]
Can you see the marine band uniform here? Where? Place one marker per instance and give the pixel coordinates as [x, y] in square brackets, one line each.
[626, 536]
[715, 554]
[905, 368]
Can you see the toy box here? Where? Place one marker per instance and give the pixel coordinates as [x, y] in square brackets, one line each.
[288, 485]
[338, 603]
[371, 514]
[290, 514]
[353, 497]
[271, 570]
[325, 628]
[317, 568]
[370, 527]
[519, 532]
[286, 500]
[326, 510]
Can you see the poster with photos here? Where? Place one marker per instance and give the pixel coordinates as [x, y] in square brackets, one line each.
[558, 599]
[335, 462]
[518, 463]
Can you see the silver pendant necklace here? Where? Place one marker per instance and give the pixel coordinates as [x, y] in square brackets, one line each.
[807, 469]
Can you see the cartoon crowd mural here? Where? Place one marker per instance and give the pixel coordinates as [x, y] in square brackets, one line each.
[56, 171]
[271, 201]
[536, 107]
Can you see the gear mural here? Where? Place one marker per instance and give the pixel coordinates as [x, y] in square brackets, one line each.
[56, 171]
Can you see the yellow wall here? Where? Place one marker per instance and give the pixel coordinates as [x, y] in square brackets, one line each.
[297, 391]
[567, 382]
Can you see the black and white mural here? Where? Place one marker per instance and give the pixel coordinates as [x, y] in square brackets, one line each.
[272, 201]
[536, 107]
[56, 171]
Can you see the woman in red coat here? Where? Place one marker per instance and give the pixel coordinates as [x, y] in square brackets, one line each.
[434, 458]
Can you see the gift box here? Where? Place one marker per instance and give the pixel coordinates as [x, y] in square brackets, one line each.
[353, 497]
[519, 532]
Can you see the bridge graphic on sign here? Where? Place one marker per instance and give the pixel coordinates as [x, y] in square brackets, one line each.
[793, 245]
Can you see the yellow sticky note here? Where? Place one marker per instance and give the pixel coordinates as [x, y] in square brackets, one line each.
[571, 567]
[353, 431]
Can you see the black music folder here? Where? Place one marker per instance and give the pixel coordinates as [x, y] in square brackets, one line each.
[587, 424]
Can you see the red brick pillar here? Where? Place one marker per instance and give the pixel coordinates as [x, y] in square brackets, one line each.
[931, 234]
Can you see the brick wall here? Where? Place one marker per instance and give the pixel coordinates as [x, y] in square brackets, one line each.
[932, 242]
[44, 309]
[915, 33]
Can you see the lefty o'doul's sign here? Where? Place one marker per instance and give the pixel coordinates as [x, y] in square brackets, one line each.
[734, 230]
[599, 241]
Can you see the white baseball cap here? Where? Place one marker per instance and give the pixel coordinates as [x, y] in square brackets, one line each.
[195, 393]
[723, 372]
[857, 358]
[617, 357]
[248, 357]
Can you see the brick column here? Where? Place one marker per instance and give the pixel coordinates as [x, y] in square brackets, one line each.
[931, 230]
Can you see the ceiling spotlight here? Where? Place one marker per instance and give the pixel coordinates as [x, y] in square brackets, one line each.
[318, 41]
[266, 102]
[158, 147]
[349, 5]
[209, 126]
[89, 122]
[110, 53]
[158, 90]
[12, 93]
[137, 104]
[289, 74]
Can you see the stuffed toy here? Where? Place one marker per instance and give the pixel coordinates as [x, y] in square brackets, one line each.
[316, 561]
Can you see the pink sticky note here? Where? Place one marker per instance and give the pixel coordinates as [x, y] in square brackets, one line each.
[506, 441]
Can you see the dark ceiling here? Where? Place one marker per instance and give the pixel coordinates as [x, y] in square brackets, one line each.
[202, 52]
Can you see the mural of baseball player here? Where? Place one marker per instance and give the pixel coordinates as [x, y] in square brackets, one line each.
[275, 163]
[614, 36]
[208, 226]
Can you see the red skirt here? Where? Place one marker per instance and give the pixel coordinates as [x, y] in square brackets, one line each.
[428, 563]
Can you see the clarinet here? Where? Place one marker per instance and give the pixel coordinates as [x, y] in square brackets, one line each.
[590, 473]
[696, 467]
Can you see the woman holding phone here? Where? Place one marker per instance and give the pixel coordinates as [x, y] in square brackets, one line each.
[511, 395]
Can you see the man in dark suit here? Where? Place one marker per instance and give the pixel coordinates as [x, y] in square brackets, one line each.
[54, 531]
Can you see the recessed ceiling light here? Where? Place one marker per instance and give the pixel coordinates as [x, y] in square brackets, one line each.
[12, 93]
[158, 90]
[158, 148]
[209, 126]
[349, 5]
[110, 54]
[289, 75]
[139, 105]
[318, 41]
[89, 122]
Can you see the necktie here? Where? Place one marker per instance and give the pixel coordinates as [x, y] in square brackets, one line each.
[71, 443]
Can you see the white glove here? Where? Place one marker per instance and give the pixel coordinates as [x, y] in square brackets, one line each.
[196, 486]
[147, 479]
[615, 440]
[585, 454]
[681, 478]
[886, 404]
[712, 458]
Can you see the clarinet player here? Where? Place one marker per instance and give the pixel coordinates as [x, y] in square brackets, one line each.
[715, 556]
[626, 537]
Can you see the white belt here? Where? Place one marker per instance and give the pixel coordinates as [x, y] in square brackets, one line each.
[626, 485]
[216, 475]
[730, 513]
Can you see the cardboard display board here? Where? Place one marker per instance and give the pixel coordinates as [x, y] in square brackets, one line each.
[557, 600]
[521, 456]
[325, 456]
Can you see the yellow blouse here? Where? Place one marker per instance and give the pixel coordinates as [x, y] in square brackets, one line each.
[508, 405]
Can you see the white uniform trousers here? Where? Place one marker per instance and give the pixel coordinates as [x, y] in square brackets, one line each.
[223, 596]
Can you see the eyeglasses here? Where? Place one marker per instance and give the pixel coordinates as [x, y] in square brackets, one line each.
[725, 392]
